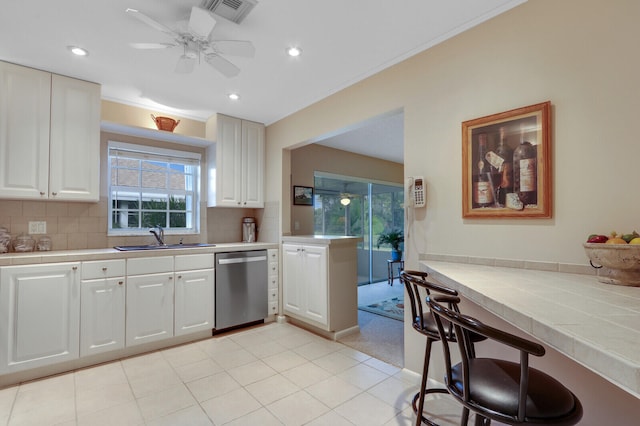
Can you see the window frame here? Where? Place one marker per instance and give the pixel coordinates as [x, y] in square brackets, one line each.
[155, 154]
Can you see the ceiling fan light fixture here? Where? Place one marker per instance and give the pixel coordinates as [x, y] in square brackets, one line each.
[79, 51]
[345, 201]
[294, 51]
[185, 64]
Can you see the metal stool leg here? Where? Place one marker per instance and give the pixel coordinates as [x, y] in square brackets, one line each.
[419, 397]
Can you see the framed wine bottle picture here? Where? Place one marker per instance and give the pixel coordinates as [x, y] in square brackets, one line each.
[506, 164]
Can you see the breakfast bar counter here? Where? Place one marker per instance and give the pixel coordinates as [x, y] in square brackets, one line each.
[594, 324]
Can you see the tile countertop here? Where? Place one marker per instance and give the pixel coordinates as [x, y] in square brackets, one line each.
[595, 324]
[54, 256]
[321, 239]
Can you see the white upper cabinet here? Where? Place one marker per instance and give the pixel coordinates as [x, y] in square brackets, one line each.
[49, 136]
[236, 164]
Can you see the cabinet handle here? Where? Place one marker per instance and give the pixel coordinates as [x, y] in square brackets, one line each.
[75, 268]
[120, 282]
[104, 269]
[170, 278]
[179, 277]
[54, 193]
[41, 193]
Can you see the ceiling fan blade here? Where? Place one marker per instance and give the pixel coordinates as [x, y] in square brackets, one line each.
[152, 45]
[201, 22]
[185, 65]
[151, 22]
[225, 67]
[234, 47]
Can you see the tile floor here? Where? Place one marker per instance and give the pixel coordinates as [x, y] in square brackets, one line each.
[275, 374]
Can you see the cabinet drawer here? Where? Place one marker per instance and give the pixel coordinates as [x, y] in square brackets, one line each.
[188, 262]
[273, 255]
[273, 295]
[273, 282]
[149, 265]
[273, 308]
[273, 268]
[103, 269]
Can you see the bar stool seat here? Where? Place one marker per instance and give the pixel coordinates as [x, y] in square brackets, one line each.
[496, 389]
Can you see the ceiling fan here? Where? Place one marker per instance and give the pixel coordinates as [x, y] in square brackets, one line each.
[195, 38]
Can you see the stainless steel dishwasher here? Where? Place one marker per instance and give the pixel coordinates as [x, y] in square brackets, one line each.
[241, 288]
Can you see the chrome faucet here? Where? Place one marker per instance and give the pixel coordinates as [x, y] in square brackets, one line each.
[159, 235]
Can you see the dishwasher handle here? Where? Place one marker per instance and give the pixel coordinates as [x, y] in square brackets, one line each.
[241, 260]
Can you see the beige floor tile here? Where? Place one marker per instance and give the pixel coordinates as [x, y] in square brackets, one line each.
[156, 381]
[363, 376]
[260, 417]
[235, 358]
[306, 374]
[272, 389]
[98, 398]
[7, 397]
[191, 416]
[251, 373]
[367, 410]
[297, 409]
[335, 362]
[230, 406]
[330, 419]
[395, 392]
[218, 345]
[127, 414]
[183, 355]
[352, 353]
[265, 349]
[382, 366]
[333, 391]
[99, 376]
[317, 349]
[285, 361]
[198, 370]
[213, 386]
[162, 403]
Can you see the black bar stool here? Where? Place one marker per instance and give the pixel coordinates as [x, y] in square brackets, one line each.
[423, 322]
[495, 389]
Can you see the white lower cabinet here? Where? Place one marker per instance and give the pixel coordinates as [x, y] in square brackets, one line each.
[149, 299]
[39, 315]
[102, 306]
[194, 293]
[304, 281]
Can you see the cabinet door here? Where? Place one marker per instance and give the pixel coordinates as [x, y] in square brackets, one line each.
[194, 301]
[74, 172]
[315, 283]
[39, 315]
[24, 132]
[228, 162]
[252, 164]
[102, 319]
[149, 308]
[292, 287]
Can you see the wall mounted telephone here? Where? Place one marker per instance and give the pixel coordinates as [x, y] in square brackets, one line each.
[416, 192]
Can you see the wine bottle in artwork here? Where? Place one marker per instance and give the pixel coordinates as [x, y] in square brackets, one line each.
[506, 169]
[482, 185]
[525, 171]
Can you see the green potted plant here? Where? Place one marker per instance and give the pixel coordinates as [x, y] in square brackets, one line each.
[394, 238]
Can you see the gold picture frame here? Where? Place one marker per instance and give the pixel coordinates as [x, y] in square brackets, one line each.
[506, 164]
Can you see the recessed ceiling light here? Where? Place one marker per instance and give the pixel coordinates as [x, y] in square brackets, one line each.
[78, 50]
[233, 96]
[294, 51]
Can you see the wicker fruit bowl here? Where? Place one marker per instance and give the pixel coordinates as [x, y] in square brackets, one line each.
[616, 263]
[165, 123]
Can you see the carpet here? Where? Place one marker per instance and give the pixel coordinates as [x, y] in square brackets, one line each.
[392, 308]
[379, 337]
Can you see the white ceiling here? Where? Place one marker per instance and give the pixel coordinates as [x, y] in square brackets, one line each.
[343, 41]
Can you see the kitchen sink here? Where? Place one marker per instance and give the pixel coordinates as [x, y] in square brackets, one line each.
[165, 247]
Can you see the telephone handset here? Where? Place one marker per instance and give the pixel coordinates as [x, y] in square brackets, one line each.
[417, 192]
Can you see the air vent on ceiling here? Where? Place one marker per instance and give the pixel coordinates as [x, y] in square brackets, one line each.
[233, 10]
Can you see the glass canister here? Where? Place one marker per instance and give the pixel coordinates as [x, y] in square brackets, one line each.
[5, 240]
[23, 243]
[44, 244]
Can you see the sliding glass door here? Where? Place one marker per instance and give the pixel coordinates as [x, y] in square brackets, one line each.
[356, 207]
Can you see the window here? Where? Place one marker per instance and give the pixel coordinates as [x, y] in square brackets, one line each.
[151, 187]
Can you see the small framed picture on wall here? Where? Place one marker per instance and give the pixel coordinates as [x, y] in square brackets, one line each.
[302, 196]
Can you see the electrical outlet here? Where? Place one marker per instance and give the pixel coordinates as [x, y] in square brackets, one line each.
[39, 227]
